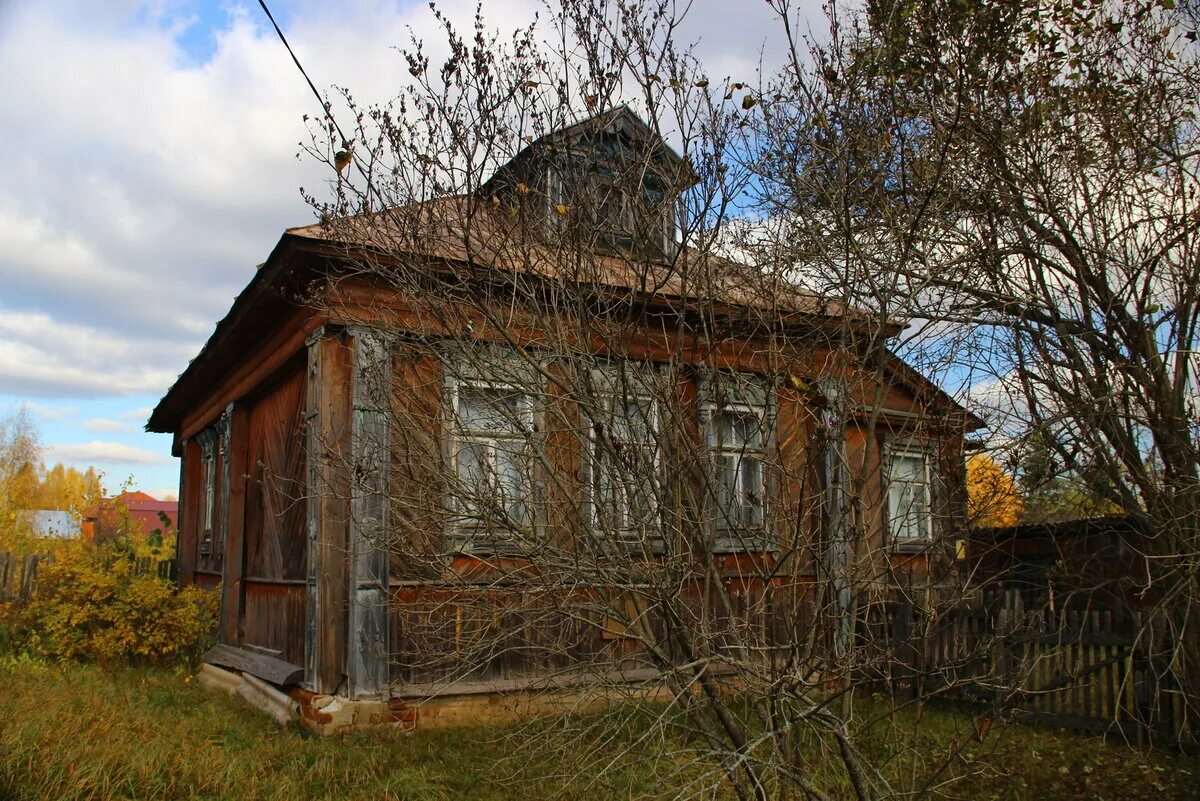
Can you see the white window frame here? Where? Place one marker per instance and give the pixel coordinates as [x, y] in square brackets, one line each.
[466, 524]
[909, 450]
[596, 457]
[717, 451]
[210, 452]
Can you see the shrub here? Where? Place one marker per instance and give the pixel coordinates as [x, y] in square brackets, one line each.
[90, 605]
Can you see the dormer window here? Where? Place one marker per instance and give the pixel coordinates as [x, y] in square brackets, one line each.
[608, 182]
[617, 211]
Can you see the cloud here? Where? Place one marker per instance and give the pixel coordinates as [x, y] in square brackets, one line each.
[103, 453]
[104, 425]
[153, 163]
[46, 357]
[49, 413]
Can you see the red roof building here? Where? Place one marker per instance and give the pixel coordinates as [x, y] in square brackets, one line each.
[145, 511]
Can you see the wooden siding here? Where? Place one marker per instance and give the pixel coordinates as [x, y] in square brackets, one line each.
[275, 540]
[289, 494]
[276, 544]
[275, 618]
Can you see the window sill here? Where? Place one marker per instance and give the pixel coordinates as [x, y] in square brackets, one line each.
[743, 543]
[911, 546]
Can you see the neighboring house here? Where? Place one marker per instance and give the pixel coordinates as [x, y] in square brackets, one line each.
[323, 543]
[136, 511]
[50, 523]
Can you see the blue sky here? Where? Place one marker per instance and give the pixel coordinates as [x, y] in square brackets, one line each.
[152, 166]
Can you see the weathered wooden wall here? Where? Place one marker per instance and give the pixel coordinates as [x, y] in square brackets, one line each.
[295, 503]
[276, 553]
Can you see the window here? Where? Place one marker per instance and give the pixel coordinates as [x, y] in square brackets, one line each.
[908, 491]
[624, 465]
[492, 465]
[209, 443]
[735, 439]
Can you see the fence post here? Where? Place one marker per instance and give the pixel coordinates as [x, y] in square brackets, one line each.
[28, 578]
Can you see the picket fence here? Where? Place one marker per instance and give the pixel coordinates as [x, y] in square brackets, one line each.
[1086, 670]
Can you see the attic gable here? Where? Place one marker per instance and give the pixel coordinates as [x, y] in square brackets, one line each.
[607, 183]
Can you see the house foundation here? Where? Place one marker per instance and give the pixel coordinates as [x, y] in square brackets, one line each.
[423, 707]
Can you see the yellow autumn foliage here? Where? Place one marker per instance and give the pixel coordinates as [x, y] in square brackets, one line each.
[993, 498]
[90, 605]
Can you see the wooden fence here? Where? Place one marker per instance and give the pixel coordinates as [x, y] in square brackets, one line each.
[1086, 670]
[18, 574]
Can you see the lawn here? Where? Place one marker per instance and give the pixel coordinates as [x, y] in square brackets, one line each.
[78, 732]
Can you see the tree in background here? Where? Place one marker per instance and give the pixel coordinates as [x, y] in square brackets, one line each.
[26, 484]
[1052, 494]
[993, 498]
[69, 489]
[20, 465]
[1016, 182]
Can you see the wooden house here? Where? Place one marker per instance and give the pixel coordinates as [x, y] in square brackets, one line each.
[320, 427]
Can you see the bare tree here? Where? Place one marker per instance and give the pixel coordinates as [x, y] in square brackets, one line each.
[1017, 184]
[619, 463]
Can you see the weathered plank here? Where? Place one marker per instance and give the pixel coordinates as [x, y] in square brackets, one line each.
[328, 428]
[267, 668]
[233, 593]
[185, 522]
[370, 443]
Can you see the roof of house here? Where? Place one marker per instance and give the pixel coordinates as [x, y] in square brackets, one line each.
[469, 235]
[144, 509]
[617, 120]
[474, 237]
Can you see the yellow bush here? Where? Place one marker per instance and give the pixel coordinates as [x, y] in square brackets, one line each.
[90, 606]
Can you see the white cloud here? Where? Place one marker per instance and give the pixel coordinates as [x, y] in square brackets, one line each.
[104, 425]
[49, 413]
[42, 356]
[103, 453]
[143, 185]
[138, 415]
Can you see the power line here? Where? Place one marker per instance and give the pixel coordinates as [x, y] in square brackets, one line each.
[328, 113]
[300, 67]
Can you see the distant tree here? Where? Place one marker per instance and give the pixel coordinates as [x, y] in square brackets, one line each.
[993, 498]
[69, 489]
[20, 466]
[1051, 493]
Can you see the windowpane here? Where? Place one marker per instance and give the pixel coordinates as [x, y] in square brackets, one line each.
[908, 497]
[511, 480]
[491, 462]
[736, 437]
[751, 481]
[623, 464]
[490, 410]
[473, 475]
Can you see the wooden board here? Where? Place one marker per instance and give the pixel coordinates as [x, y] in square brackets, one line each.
[267, 668]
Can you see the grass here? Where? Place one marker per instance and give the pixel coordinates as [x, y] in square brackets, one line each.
[79, 732]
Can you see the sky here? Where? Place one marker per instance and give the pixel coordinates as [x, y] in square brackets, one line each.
[152, 165]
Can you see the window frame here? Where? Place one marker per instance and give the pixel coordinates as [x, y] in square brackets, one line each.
[212, 452]
[741, 537]
[472, 528]
[909, 449]
[596, 460]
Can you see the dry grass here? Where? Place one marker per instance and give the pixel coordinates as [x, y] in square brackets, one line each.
[77, 732]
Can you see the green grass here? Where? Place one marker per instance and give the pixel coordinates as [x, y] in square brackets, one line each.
[79, 732]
